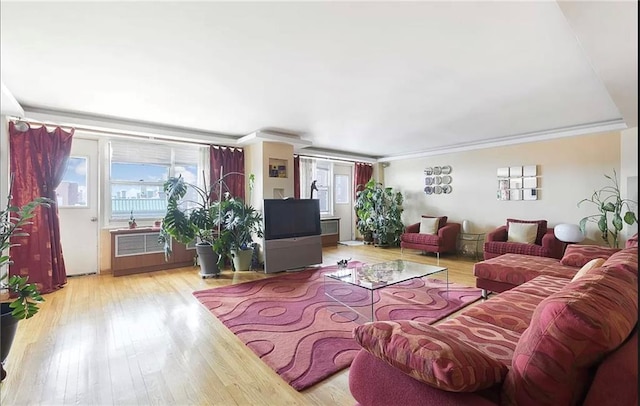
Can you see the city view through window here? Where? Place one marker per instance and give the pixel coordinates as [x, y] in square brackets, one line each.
[134, 187]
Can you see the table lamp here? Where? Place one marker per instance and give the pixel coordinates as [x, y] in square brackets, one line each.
[570, 233]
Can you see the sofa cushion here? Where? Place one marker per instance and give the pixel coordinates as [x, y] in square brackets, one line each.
[430, 355]
[632, 242]
[499, 247]
[570, 332]
[517, 269]
[422, 239]
[626, 259]
[542, 227]
[428, 226]
[594, 263]
[442, 220]
[522, 232]
[578, 255]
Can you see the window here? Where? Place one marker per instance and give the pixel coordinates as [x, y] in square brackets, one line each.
[72, 191]
[137, 172]
[322, 172]
[323, 176]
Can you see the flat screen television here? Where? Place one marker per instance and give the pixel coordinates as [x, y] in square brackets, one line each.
[288, 218]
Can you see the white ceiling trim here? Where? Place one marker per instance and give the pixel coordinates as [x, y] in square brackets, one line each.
[115, 127]
[605, 126]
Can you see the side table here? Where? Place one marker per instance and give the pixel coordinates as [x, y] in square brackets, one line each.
[470, 243]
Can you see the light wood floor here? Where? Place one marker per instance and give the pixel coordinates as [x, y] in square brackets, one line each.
[145, 340]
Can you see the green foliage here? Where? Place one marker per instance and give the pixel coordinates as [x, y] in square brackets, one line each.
[227, 223]
[25, 305]
[239, 223]
[379, 212]
[12, 221]
[613, 210]
[185, 219]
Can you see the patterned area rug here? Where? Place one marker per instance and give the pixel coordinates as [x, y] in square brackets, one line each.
[303, 335]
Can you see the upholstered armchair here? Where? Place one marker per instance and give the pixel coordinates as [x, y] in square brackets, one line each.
[442, 239]
[544, 244]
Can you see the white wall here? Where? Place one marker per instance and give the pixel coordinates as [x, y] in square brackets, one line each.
[570, 169]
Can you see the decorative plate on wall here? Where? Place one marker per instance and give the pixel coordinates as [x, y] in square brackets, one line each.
[446, 189]
[437, 170]
[428, 171]
[428, 181]
[437, 189]
[428, 190]
[446, 179]
[446, 170]
[438, 180]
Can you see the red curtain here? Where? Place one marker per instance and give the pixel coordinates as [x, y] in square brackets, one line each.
[38, 161]
[363, 174]
[232, 162]
[296, 177]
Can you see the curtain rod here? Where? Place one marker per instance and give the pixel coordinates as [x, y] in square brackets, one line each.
[114, 133]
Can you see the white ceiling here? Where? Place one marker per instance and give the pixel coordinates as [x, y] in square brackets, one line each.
[378, 79]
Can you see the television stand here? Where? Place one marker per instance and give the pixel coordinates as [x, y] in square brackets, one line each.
[288, 254]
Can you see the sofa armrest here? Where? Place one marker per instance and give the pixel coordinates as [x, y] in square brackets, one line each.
[499, 234]
[555, 248]
[449, 236]
[413, 228]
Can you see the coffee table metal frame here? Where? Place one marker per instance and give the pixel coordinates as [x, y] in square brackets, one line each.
[379, 276]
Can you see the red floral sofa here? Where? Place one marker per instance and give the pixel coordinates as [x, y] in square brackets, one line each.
[445, 240]
[548, 341]
[545, 245]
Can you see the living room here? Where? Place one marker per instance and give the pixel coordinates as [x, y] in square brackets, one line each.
[571, 162]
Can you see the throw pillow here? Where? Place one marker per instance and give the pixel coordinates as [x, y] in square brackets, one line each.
[594, 263]
[430, 355]
[429, 225]
[578, 255]
[542, 227]
[442, 220]
[522, 232]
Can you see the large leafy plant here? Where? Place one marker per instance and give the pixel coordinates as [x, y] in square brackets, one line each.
[25, 295]
[613, 211]
[379, 210]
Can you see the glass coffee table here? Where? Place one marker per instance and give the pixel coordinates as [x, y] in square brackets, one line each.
[370, 278]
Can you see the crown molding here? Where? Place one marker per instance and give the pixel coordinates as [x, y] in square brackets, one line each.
[584, 129]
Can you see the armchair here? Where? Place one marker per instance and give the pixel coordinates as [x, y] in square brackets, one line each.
[445, 239]
[545, 245]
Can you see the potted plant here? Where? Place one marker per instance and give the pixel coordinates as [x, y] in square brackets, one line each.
[132, 221]
[189, 217]
[239, 223]
[20, 298]
[379, 211]
[609, 202]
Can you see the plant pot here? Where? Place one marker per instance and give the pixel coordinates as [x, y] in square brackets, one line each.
[242, 259]
[208, 260]
[8, 328]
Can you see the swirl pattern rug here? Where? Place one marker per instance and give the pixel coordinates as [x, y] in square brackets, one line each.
[303, 335]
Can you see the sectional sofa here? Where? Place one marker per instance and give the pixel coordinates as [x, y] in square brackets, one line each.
[551, 340]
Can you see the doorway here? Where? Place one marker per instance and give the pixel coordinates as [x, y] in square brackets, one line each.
[77, 197]
[342, 202]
